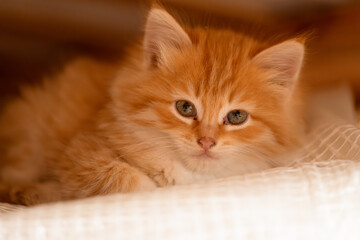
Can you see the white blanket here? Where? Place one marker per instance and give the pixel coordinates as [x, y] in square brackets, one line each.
[316, 197]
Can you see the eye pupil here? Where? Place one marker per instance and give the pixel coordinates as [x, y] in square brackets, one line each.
[236, 117]
[185, 108]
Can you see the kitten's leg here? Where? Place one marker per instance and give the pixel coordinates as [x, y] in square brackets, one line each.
[89, 167]
[115, 177]
[162, 166]
[30, 194]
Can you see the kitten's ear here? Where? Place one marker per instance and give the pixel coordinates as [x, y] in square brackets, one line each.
[283, 61]
[163, 35]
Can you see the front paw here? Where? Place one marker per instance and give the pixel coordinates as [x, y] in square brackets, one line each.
[163, 178]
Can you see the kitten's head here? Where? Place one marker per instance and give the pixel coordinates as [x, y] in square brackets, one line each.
[214, 99]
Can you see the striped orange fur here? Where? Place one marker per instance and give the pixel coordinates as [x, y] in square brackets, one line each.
[100, 128]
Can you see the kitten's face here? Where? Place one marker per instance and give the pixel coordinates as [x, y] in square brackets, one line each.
[212, 105]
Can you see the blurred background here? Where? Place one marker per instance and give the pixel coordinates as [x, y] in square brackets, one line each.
[38, 36]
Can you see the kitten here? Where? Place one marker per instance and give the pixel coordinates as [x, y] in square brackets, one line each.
[190, 104]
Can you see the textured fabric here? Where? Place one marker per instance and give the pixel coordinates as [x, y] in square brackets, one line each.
[317, 196]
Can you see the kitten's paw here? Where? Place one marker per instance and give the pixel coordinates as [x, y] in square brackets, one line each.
[29, 194]
[163, 178]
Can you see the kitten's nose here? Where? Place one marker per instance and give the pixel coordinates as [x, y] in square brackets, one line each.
[206, 143]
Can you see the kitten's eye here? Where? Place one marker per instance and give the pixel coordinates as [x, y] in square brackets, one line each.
[185, 108]
[236, 117]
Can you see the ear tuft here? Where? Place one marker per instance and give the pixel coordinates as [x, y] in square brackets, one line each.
[162, 35]
[284, 60]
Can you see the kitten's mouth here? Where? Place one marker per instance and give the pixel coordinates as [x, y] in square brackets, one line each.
[205, 155]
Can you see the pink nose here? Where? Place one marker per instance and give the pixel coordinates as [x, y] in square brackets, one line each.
[206, 142]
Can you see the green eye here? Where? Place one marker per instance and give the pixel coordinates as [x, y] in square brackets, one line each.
[185, 108]
[236, 117]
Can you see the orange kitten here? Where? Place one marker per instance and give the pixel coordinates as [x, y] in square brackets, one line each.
[188, 105]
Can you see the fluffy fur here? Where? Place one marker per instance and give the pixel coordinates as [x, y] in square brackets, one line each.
[99, 128]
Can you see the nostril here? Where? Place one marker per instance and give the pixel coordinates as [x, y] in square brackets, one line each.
[206, 142]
